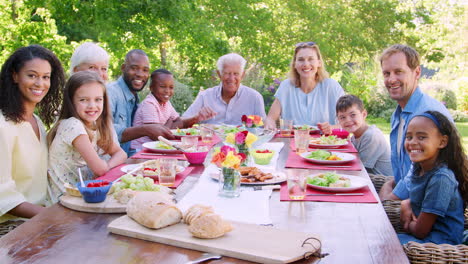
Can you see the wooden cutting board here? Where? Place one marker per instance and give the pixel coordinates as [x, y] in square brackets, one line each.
[110, 205]
[250, 242]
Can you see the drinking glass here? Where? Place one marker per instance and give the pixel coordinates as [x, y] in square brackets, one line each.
[167, 171]
[301, 140]
[296, 185]
[286, 127]
[206, 135]
[189, 143]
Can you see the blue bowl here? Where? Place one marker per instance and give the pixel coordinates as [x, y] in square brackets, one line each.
[93, 194]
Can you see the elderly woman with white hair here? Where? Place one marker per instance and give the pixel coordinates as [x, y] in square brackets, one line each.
[90, 57]
[227, 102]
[308, 97]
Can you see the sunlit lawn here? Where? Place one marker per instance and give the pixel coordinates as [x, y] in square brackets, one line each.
[385, 127]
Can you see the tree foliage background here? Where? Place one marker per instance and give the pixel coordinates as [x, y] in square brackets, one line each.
[187, 36]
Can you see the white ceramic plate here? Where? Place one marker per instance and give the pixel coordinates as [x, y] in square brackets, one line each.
[278, 177]
[356, 184]
[312, 129]
[183, 133]
[317, 145]
[151, 146]
[128, 168]
[345, 157]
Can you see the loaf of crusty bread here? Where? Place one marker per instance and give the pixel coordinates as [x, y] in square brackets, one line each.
[209, 225]
[153, 210]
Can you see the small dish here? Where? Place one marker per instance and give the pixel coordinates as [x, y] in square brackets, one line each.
[94, 194]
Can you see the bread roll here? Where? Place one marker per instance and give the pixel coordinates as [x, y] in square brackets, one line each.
[196, 211]
[153, 210]
[209, 226]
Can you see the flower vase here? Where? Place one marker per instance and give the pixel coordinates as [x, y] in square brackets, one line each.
[229, 183]
[244, 150]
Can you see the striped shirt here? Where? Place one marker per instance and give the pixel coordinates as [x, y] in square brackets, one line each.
[150, 111]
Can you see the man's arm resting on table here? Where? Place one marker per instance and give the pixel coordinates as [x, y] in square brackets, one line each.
[150, 130]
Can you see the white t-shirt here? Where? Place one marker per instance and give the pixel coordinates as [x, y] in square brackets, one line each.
[64, 159]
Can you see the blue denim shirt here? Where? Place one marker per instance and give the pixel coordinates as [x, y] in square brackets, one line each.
[122, 102]
[417, 104]
[436, 192]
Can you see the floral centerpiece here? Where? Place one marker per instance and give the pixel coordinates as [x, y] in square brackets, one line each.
[251, 121]
[229, 160]
[243, 140]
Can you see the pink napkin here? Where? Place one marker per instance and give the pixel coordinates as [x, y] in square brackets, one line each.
[115, 173]
[368, 196]
[296, 161]
[346, 148]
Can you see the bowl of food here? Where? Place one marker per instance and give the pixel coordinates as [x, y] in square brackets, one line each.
[95, 191]
[262, 156]
[196, 156]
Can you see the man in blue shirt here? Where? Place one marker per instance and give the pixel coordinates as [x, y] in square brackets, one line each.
[124, 100]
[401, 70]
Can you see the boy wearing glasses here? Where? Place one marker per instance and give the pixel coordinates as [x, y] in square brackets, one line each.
[370, 142]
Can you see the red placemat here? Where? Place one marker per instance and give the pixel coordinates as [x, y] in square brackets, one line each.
[368, 196]
[296, 161]
[346, 148]
[115, 173]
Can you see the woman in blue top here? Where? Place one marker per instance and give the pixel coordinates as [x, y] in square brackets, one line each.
[308, 97]
[435, 190]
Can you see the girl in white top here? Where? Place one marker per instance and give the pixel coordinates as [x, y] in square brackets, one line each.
[83, 134]
[30, 80]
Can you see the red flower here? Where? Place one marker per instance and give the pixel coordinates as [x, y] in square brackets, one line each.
[244, 118]
[242, 155]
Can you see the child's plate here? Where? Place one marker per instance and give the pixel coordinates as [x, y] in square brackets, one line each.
[160, 147]
[315, 143]
[356, 184]
[128, 168]
[312, 129]
[344, 158]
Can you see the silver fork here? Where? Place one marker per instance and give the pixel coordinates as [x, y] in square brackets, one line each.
[205, 257]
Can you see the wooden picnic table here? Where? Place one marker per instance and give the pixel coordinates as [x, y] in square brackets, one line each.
[349, 232]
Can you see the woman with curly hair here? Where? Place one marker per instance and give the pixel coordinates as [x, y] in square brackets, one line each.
[31, 81]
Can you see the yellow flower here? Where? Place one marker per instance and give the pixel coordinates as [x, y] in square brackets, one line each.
[250, 139]
[231, 160]
[230, 138]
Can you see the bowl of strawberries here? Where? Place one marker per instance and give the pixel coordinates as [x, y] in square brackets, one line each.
[95, 191]
[262, 156]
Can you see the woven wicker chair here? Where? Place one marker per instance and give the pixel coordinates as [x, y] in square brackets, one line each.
[426, 252]
[8, 226]
[378, 180]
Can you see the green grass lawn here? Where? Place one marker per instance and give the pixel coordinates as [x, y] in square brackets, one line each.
[385, 127]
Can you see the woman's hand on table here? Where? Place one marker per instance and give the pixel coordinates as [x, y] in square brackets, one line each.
[270, 124]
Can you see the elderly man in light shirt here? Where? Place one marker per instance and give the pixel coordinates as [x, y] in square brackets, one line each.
[227, 102]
